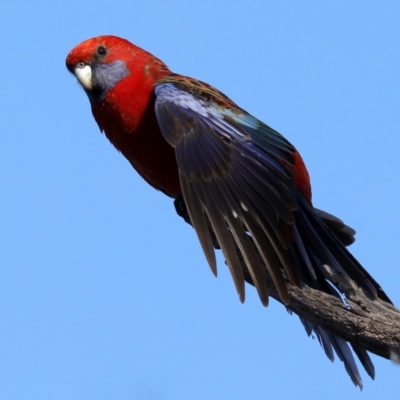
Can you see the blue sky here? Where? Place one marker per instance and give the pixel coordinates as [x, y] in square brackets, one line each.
[104, 291]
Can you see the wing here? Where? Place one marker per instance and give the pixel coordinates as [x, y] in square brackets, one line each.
[236, 175]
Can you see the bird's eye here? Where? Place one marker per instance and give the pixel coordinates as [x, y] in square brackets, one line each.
[101, 51]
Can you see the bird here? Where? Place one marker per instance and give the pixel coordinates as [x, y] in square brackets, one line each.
[242, 186]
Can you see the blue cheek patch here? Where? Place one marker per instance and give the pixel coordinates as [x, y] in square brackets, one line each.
[105, 77]
[108, 75]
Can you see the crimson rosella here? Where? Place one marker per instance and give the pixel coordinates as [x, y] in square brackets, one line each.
[241, 185]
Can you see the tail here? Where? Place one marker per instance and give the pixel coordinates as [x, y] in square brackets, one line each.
[326, 237]
[331, 344]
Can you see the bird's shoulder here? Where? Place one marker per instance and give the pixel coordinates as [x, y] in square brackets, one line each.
[199, 90]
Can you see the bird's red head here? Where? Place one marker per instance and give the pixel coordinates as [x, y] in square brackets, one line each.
[102, 62]
[102, 49]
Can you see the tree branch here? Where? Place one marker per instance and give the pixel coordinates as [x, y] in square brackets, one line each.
[373, 324]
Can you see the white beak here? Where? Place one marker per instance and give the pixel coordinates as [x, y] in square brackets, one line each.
[84, 76]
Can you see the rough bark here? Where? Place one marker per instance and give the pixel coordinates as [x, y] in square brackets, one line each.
[373, 324]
